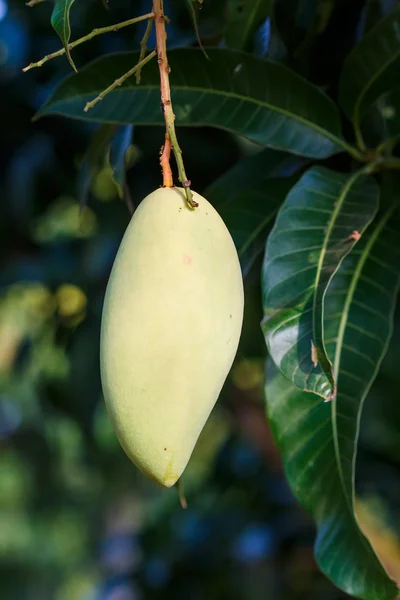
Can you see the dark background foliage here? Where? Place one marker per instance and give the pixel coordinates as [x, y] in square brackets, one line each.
[77, 520]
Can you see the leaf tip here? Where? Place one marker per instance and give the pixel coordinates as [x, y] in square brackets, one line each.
[71, 62]
[333, 393]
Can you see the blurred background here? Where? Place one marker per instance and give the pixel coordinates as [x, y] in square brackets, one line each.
[77, 520]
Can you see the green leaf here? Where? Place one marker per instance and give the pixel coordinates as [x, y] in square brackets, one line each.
[248, 197]
[371, 68]
[117, 156]
[192, 5]
[373, 11]
[318, 441]
[108, 145]
[60, 23]
[295, 18]
[252, 171]
[94, 159]
[249, 215]
[319, 223]
[381, 122]
[253, 97]
[244, 17]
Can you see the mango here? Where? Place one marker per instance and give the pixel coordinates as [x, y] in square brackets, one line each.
[171, 324]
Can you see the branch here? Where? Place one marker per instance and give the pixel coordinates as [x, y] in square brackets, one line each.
[143, 47]
[161, 37]
[88, 37]
[119, 81]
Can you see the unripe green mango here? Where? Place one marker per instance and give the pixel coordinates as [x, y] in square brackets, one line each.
[171, 324]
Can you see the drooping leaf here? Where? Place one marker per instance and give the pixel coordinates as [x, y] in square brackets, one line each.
[322, 16]
[381, 122]
[94, 160]
[248, 197]
[373, 11]
[244, 17]
[256, 98]
[117, 155]
[372, 68]
[277, 49]
[108, 145]
[250, 213]
[318, 441]
[252, 171]
[296, 17]
[262, 39]
[192, 6]
[61, 24]
[319, 223]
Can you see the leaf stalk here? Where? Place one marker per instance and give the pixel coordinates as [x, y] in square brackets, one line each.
[143, 46]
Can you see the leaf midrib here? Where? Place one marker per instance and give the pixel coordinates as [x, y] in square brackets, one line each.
[339, 345]
[66, 29]
[325, 133]
[337, 208]
[65, 32]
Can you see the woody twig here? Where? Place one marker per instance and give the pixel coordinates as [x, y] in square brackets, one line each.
[89, 36]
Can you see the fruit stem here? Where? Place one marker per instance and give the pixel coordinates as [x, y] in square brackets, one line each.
[165, 164]
[166, 104]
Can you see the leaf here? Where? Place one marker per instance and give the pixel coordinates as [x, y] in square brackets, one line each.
[248, 197]
[277, 49]
[371, 68]
[117, 156]
[109, 145]
[381, 122]
[244, 17]
[256, 98]
[60, 23]
[192, 5]
[319, 223]
[252, 171]
[318, 441]
[295, 18]
[93, 161]
[323, 13]
[250, 213]
[373, 11]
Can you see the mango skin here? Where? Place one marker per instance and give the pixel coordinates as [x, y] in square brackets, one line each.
[171, 324]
